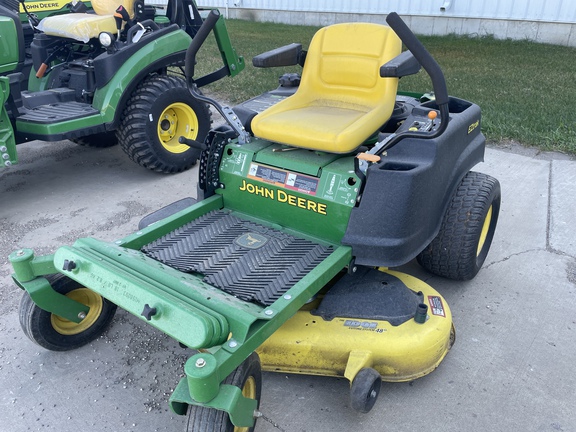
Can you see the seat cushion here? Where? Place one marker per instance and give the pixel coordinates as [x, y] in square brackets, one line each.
[326, 128]
[78, 26]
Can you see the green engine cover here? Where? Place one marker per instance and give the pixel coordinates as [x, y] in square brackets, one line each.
[9, 50]
[310, 192]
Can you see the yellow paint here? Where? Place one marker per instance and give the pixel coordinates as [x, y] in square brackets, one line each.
[341, 100]
[484, 233]
[357, 360]
[473, 126]
[80, 26]
[248, 391]
[44, 6]
[87, 298]
[178, 119]
[307, 344]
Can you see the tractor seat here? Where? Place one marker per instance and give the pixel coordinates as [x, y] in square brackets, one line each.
[341, 100]
[83, 26]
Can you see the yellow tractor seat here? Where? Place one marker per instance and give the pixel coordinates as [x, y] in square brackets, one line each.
[82, 26]
[341, 100]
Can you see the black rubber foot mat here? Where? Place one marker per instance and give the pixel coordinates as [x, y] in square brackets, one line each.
[243, 258]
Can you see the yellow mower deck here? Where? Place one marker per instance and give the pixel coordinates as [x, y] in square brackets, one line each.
[309, 344]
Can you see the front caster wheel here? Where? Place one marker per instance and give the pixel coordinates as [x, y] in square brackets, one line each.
[248, 377]
[58, 334]
[365, 389]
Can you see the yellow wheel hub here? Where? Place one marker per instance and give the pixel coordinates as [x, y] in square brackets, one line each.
[248, 391]
[87, 298]
[177, 120]
[484, 232]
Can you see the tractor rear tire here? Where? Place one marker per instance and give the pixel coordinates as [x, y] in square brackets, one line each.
[248, 377]
[465, 236]
[58, 334]
[161, 110]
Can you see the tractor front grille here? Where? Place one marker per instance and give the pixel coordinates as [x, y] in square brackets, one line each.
[243, 258]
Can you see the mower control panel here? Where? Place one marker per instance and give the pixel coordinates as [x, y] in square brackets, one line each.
[423, 122]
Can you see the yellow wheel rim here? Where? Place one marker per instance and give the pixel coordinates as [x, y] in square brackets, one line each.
[485, 229]
[87, 298]
[248, 391]
[177, 120]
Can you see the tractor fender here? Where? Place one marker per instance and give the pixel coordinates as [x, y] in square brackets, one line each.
[407, 193]
[118, 77]
[12, 54]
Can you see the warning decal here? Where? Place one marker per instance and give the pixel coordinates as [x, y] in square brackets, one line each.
[436, 306]
[286, 179]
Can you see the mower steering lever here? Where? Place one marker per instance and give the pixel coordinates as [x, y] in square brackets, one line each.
[439, 83]
[190, 61]
[422, 55]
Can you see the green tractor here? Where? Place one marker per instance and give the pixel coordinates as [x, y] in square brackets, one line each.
[105, 76]
[307, 196]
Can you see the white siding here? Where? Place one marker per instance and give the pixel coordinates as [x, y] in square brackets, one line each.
[547, 21]
[526, 10]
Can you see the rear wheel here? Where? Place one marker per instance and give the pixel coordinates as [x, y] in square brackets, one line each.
[160, 111]
[248, 377]
[466, 233]
[59, 334]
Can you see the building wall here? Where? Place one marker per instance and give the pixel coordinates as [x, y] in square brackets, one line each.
[551, 21]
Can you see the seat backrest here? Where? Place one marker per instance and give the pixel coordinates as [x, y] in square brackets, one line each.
[341, 100]
[108, 7]
[343, 64]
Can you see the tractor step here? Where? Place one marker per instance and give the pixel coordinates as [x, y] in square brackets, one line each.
[243, 258]
[58, 112]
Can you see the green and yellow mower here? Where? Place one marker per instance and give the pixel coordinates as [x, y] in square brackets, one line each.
[308, 195]
[102, 73]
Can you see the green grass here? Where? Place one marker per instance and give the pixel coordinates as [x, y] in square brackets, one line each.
[525, 89]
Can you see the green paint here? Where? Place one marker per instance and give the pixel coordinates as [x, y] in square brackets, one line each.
[234, 62]
[307, 194]
[7, 141]
[9, 50]
[310, 192]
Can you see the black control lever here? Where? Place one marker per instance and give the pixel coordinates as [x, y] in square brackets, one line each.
[440, 91]
[422, 55]
[189, 63]
[192, 143]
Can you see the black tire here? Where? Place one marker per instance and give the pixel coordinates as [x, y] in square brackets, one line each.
[467, 230]
[159, 111]
[365, 389]
[99, 140]
[248, 377]
[58, 334]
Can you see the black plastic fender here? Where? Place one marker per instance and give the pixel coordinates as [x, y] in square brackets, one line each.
[406, 194]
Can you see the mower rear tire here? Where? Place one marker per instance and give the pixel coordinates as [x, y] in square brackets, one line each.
[160, 111]
[248, 377]
[58, 334]
[467, 230]
[365, 389]
[99, 140]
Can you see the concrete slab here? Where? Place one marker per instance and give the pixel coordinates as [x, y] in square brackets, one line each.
[510, 369]
[563, 207]
[522, 224]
